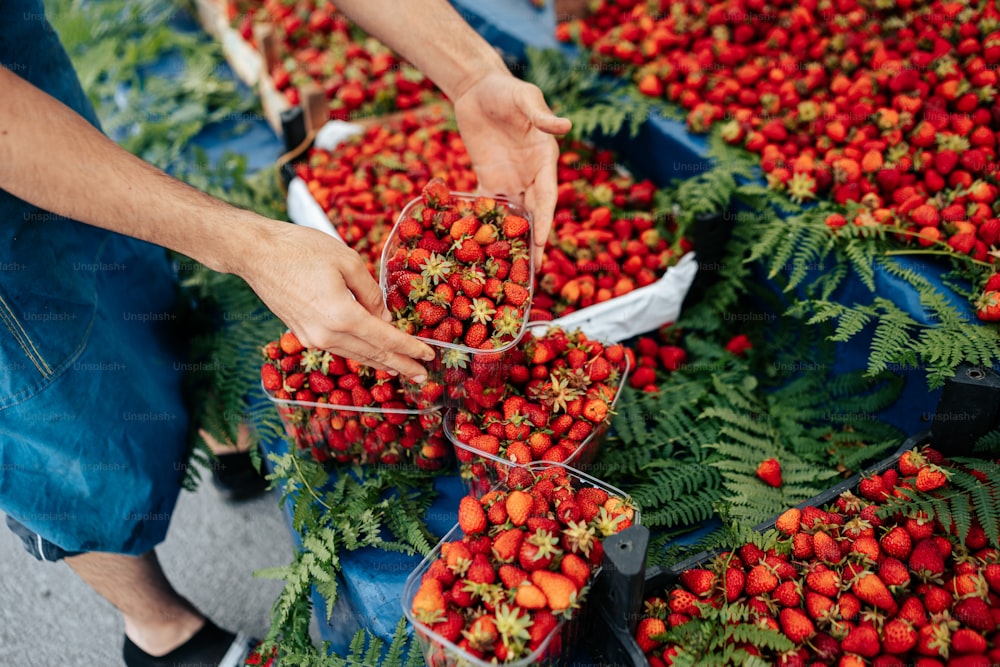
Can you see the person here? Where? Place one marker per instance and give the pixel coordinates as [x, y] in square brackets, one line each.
[92, 422]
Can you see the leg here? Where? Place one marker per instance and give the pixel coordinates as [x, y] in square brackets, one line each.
[157, 618]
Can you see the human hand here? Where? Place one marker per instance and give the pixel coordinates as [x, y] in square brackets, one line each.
[508, 130]
[322, 290]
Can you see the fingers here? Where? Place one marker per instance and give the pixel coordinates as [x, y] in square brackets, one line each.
[541, 200]
[386, 345]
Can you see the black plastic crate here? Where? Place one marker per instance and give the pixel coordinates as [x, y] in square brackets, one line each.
[623, 601]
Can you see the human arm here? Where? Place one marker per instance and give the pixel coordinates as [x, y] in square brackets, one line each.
[505, 123]
[51, 157]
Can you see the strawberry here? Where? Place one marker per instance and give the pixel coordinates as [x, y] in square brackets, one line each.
[471, 517]
[290, 344]
[760, 579]
[930, 477]
[788, 522]
[515, 226]
[647, 630]
[788, 594]
[560, 591]
[898, 637]
[967, 641]
[796, 625]
[428, 604]
[897, 543]
[975, 613]
[862, 640]
[576, 568]
[507, 545]
[769, 471]
[451, 626]
[825, 547]
[699, 581]
[518, 506]
[870, 589]
[271, 377]
[530, 596]
[926, 560]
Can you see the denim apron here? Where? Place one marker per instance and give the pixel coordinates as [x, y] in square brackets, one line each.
[93, 429]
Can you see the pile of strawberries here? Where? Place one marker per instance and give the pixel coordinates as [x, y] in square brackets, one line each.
[890, 109]
[557, 398]
[365, 183]
[373, 417]
[849, 587]
[457, 270]
[608, 237]
[319, 45]
[522, 566]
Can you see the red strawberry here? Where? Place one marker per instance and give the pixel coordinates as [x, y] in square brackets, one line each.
[760, 579]
[699, 581]
[648, 629]
[769, 471]
[862, 640]
[897, 543]
[966, 641]
[271, 377]
[898, 637]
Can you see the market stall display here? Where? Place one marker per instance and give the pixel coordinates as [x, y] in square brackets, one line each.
[717, 419]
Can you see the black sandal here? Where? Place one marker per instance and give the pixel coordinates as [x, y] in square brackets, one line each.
[236, 478]
[209, 646]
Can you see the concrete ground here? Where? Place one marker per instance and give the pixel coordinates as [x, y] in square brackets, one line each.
[49, 618]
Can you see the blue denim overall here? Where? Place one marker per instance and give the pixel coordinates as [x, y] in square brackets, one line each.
[92, 424]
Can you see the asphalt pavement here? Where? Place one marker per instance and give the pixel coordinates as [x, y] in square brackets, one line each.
[50, 618]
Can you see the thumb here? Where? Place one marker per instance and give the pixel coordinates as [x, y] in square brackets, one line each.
[550, 123]
[368, 293]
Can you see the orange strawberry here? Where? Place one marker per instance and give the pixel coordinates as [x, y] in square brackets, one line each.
[507, 545]
[514, 226]
[576, 568]
[788, 522]
[511, 575]
[428, 604]
[560, 591]
[796, 625]
[471, 517]
[530, 596]
[518, 506]
[872, 590]
[931, 477]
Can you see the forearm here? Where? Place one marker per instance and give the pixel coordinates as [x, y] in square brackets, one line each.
[53, 158]
[436, 39]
